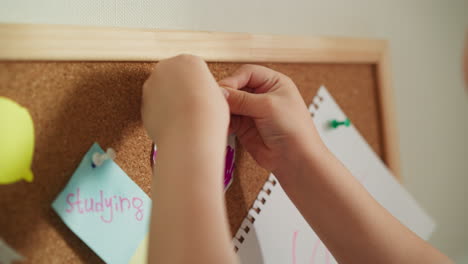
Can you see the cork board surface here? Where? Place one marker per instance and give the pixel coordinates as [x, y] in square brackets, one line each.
[74, 104]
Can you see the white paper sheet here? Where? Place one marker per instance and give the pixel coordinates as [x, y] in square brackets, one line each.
[280, 234]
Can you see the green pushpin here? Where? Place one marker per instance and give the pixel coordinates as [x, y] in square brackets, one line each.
[335, 123]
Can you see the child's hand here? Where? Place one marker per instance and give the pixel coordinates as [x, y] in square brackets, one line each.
[182, 101]
[271, 120]
[185, 112]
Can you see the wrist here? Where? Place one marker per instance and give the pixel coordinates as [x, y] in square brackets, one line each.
[196, 150]
[300, 159]
[191, 132]
[191, 143]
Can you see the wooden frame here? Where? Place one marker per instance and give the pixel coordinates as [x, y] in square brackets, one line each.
[78, 43]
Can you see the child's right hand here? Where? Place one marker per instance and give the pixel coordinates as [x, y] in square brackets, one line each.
[274, 125]
[270, 118]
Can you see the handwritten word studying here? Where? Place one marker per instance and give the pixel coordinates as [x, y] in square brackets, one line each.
[105, 209]
[104, 205]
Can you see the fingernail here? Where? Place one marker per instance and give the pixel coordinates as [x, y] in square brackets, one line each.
[225, 92]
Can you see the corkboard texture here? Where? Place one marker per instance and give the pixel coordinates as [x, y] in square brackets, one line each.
[74, 104]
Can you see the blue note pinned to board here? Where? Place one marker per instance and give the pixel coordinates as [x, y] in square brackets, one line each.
[105, 208]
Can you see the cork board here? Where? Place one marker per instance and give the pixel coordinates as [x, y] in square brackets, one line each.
[74, 104]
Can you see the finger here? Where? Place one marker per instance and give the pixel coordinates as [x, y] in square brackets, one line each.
[244, 103]
[248, 135]
[234, 124]
[258, 78]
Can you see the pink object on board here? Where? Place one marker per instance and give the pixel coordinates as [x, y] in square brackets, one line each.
[229, 165]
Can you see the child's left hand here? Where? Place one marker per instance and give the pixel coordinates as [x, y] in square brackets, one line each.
[181, 99]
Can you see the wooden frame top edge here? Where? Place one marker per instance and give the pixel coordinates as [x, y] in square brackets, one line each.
[27, 42]
[86, 43]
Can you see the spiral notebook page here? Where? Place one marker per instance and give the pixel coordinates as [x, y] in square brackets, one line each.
[354, 152]
[279, 233]
[275, 232]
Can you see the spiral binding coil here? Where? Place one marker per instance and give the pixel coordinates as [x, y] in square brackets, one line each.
[314, 106]
[254, 211]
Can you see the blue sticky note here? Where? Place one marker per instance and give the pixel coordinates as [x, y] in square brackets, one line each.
[105, 208]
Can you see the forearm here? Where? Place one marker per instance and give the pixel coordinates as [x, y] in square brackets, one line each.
[188, 217]
[354, 227]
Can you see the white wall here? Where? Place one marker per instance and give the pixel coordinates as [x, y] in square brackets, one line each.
[426, 40]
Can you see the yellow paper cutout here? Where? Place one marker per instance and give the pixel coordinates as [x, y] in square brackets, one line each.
[141, 254]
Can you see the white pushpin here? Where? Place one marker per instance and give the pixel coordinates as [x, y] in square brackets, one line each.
[99, 158]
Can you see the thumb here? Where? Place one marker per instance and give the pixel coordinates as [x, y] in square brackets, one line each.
[243, 103]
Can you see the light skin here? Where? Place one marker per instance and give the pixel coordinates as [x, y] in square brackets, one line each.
[189, 222]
